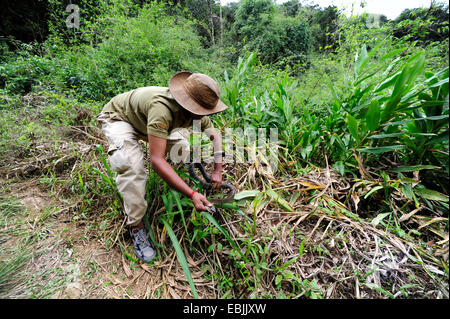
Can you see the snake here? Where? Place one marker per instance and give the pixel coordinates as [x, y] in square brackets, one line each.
[207, 185]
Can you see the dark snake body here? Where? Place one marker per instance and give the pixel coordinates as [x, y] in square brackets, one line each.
[207, 186]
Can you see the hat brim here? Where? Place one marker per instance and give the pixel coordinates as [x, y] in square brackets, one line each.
[176, 87]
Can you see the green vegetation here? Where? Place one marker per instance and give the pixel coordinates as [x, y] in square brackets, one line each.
[10, 268]
[358, 206]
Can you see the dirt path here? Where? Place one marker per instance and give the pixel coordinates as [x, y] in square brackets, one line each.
[68, 260]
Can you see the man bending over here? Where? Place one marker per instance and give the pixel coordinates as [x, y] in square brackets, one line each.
[161, 116]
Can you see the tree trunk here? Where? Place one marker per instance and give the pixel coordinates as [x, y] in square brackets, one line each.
[212, 21]
[221, 23]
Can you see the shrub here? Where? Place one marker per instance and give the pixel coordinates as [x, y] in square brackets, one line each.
[278, 39]
[19, 73]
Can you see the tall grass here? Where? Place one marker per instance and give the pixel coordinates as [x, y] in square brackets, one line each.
[12, 263]
[385, 126]
[389, 107]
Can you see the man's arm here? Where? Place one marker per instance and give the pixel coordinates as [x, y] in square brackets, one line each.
[157, 148]
[216, 138]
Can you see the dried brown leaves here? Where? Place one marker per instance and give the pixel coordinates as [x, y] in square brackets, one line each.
[322, 249]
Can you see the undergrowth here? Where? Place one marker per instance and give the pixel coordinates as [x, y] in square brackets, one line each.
[358, 206]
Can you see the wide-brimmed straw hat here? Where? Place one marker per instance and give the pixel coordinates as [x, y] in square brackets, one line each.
[197, 93]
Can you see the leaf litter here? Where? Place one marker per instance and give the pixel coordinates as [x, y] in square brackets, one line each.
[310, 239]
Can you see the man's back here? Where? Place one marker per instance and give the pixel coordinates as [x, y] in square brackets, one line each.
[151, 110]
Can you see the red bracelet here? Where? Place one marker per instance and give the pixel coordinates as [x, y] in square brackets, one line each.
[192, 194]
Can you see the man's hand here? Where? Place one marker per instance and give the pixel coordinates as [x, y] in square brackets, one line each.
[216, 179]
[200, 202]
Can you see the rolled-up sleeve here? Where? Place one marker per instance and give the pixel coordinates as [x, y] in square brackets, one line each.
[206, 123]
[159, 120]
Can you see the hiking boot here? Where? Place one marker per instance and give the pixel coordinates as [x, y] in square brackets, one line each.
[143, 248]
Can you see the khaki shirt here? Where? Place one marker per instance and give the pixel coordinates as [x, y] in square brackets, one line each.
[151, 110]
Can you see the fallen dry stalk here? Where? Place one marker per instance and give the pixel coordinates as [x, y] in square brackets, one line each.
[343, 254]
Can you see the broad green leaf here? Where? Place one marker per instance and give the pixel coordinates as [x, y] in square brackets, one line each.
[377, 136]
[413, 168]
[428, 118]
[333, 91]
[407, 190]
[373, 115]
[430, 194]
[392, 53]
[403, 84]
[417, 68]
[278, 279]
[379, 218]
[388, 82]
[361, 60]
[437, 75]
[352, 125]
[396, 93]
[382, 149]
[441, 82]
[280, 200]
[339, 166]
[373, 190]
[246, 194]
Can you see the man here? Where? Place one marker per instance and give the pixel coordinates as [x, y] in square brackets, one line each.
[161, 116]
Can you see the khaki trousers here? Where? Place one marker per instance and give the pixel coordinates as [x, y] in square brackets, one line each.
[126, 157]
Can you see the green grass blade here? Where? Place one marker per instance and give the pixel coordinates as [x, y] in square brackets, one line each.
[373, 190]
[224, 232]
[235, 208]
[379, 289]
[181, 257]
[104, 177]
[10, 269]
[102, 156]
[176, 196]
[280, 200]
